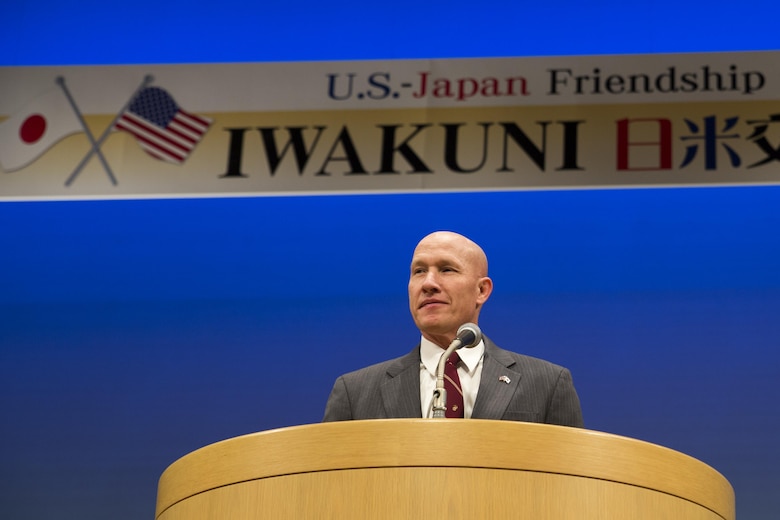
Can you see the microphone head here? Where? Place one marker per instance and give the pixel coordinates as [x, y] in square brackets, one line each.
[469, 335]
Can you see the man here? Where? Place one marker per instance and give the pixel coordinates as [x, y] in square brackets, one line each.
[448, 285]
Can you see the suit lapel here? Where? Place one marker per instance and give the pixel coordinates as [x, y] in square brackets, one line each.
[401, 389]
[498, 384]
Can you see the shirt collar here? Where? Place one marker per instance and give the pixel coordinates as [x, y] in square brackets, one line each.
[430, 353]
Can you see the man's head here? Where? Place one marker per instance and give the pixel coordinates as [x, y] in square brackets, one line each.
[448, 283]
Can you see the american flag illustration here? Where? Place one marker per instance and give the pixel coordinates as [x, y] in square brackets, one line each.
[161, 127]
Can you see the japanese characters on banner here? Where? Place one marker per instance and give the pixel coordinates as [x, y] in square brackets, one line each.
[397, 126]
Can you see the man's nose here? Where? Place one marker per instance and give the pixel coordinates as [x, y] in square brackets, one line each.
[431, 281]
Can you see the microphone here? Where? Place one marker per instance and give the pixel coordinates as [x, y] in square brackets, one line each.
[468, 336]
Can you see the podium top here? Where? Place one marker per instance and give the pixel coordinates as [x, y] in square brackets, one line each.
[470, 443]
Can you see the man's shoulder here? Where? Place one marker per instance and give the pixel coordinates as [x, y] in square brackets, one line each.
[382, 366]
[389, 366]
[522, 360]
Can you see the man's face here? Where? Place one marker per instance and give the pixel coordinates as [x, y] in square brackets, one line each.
[447, 285]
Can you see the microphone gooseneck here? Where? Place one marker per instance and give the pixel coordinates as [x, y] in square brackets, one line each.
[468, 336]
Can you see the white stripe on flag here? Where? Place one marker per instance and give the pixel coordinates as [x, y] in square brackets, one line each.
[152, 143]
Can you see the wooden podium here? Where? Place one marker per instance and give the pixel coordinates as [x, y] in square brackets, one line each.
[443, 469]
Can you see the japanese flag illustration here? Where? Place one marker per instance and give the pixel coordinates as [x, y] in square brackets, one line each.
[26, 135]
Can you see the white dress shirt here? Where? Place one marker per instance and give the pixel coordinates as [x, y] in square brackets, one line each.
[469, 372]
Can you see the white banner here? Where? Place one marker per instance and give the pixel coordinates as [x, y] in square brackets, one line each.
[399, 126]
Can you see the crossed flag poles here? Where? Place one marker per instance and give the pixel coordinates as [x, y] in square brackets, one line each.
[97, 144]
[162, 128]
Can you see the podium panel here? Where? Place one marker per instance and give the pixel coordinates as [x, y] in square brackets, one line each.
[449, 468]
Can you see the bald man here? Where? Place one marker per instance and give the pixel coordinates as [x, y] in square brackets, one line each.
[448, 285]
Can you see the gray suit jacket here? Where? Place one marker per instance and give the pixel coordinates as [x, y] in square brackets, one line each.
[538, 391]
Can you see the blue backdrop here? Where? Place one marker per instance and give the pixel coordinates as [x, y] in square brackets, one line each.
[133, 332]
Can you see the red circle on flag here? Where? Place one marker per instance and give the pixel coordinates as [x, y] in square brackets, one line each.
[32, 129]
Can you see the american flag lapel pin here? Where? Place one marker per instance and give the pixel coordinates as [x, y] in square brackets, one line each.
[505, 379]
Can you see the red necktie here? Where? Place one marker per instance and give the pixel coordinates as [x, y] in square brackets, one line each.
[452, 386]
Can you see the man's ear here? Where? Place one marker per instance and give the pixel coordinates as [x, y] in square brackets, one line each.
[485, 287]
